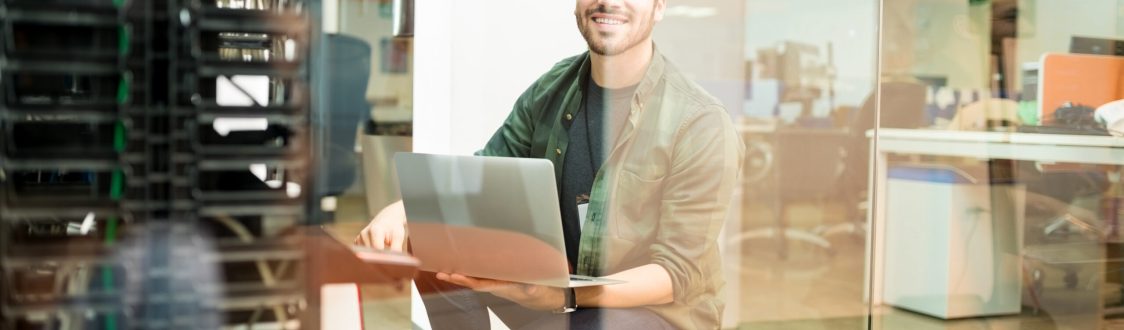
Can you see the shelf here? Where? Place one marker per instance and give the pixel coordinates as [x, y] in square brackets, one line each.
[97, 115]
[9, 163]
[68, 5]
[60, 16]
[276, 70]
[251, 209]
[240, 164]
[30, 66]
[24, 114]
[32, 214]
[252, 21]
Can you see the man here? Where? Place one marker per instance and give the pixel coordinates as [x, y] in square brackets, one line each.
[657, 159]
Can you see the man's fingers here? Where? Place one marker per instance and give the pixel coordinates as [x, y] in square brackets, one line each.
[477, 284]
[529, 295]
[362, 238]
[470, 282]
[397, 239]
[378, 237]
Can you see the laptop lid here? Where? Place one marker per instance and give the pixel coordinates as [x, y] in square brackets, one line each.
[489, 217]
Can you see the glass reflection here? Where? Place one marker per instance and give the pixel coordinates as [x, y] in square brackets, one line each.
[997, 177]
[809, 77]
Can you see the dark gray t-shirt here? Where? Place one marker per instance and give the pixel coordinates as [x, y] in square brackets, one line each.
[603, 114]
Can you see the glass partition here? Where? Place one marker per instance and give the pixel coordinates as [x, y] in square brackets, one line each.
[997, 165]
[387, 103]
[799, 227]
[795, 78]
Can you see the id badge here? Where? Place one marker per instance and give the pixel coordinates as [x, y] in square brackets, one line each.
[583, 210]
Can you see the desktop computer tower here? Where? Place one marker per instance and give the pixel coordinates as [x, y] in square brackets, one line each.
[952, 243]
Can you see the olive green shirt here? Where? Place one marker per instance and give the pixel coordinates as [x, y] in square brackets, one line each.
[661, 195]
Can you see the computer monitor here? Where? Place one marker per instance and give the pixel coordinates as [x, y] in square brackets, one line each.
[1096, 46]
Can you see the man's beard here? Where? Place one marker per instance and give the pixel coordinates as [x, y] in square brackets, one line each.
[602, 46]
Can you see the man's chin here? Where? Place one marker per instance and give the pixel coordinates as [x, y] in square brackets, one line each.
[605, 50]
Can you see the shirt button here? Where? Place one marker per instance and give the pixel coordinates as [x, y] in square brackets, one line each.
[557, 151]
[569, 117]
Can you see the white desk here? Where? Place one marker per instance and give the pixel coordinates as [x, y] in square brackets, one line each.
[982, 145]
[1002, 145]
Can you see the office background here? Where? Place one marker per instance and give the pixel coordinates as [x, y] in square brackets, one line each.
[920, 164]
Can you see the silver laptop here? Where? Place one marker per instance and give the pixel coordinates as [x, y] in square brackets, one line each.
[486, 217]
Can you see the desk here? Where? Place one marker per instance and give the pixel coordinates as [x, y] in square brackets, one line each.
[983, 145]
[1002, 145]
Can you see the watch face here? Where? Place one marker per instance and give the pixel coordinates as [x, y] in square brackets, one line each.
[571, 303]
[564, 310]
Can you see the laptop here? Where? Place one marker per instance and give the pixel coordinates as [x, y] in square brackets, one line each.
[486, 217]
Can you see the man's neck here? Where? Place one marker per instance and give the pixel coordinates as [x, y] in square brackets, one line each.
[621, 70]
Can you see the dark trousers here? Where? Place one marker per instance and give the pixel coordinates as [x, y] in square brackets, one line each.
[454, 307]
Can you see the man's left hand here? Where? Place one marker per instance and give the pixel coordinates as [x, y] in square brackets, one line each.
[532, 296]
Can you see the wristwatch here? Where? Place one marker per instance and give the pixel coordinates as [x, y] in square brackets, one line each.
[571, 301]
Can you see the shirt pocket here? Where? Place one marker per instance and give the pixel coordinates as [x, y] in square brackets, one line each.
[637, 201]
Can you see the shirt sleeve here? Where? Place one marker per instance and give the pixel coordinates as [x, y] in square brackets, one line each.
[513, 138]
[697, 193]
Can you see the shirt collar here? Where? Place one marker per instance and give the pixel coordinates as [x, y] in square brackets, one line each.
[652, 76]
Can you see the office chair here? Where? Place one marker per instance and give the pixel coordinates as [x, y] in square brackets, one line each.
[815, 164]
[903, 105]
[811, 166]
[349, 69]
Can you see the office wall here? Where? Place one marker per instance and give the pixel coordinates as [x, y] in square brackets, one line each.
[474, 57]
[1119, 17]
[947, 39]
[388, 92]
[1048, 25]
[472, 60]
[703, 39]
[847, 24]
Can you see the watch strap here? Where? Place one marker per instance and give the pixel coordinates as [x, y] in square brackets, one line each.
[571, 301]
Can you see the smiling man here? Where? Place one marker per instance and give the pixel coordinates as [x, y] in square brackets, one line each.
[652, 153]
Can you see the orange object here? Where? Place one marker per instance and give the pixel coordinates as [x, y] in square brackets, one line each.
[1090, 80]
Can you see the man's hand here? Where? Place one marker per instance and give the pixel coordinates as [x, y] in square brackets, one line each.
[387, 230]
[532, 296]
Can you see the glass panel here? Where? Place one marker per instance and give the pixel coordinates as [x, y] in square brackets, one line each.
[810, 72]
[386, 102]
[795, 77]
[373, 92]
[997, 164]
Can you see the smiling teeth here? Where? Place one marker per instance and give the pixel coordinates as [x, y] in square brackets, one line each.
[608, 21]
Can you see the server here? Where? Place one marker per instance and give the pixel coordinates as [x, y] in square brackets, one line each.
[154, 153]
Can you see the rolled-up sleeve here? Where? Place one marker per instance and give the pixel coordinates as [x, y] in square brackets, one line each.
[697, 193]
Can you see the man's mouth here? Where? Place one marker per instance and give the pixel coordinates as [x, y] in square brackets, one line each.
[608, 21]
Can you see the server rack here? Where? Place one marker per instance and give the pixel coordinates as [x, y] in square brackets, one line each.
[122, 204]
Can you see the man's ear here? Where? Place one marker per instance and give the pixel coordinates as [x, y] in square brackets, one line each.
[658, 11]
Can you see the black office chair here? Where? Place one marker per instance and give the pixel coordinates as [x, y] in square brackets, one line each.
[903, 105]
[817, 164]
[811, 165]
[349, 69]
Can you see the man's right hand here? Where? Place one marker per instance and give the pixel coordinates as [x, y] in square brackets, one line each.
[387, 230]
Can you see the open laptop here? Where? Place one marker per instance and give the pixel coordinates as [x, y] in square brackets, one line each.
[486, 217]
